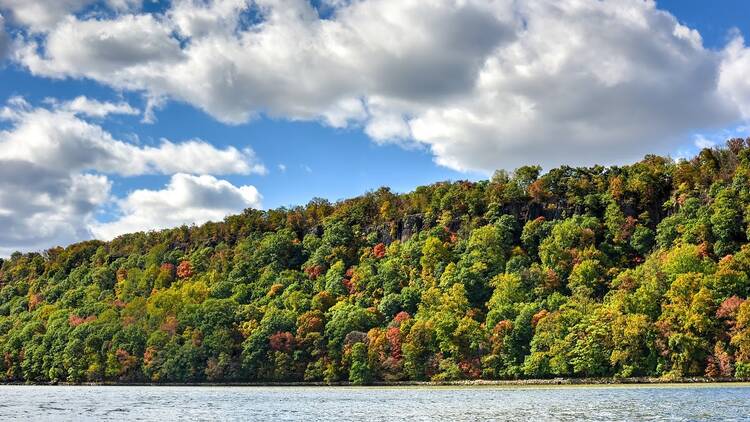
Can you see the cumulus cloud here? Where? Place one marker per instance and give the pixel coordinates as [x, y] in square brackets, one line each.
[587, 82]
[735, 67]
[93, 108]
[55, 168]
[41, 207]
[197, 18]
[43, 15]
[233, 74]
[118, 51]
[186, 199]
[60, 137]
[483, 84]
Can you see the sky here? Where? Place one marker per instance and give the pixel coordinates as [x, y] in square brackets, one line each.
[127, 115]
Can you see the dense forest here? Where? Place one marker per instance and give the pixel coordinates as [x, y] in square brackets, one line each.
[638, 270]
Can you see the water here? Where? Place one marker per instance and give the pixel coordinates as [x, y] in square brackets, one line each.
[678, 403]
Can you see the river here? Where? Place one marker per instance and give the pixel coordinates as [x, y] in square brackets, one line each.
[719, 402]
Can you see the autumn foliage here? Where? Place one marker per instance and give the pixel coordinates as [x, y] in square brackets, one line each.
[640, 270]
[281, 342]
[379, 250]
[184, 270]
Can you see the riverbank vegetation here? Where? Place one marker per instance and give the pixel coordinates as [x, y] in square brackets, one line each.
[627, 271]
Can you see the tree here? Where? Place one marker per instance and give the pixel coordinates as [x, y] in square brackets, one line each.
[588, 279]
[344, 318]
[185, 269]
[726, 223]
[360, 372]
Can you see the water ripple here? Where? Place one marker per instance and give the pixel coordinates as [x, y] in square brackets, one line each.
[600, 403]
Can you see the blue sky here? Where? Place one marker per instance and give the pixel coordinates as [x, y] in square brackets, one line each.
[713, 20]
[421, 116]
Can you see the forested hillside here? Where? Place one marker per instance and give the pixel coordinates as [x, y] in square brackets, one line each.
[580, 272]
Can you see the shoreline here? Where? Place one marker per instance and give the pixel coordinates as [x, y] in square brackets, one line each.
[551, 382]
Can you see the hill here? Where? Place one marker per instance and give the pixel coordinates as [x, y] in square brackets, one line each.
[638, 270]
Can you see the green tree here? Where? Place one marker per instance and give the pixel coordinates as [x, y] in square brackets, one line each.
[360, 372]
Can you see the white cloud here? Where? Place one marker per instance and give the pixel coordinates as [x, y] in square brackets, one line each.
[94, 108]
[44, 15]
[702, 142]
[42, 207]
[186, 199]
[153, 103]
[41, 15]
[54, 168]
[197, 18]
[234, 74]
[66, 141]
[586, 82]
[282, 168]
[735, 68]
[119, 51]
[385, 123]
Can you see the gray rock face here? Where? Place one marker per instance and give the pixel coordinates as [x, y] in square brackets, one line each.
[409, 226]
[402, 230]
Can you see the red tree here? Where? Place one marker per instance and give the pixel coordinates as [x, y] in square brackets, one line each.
[281, 342]
[75, 320]
[394, 341]
[184, 270]
[538, 317]
[379, 250]
[401, 317]
[728, 308]
[314, 271]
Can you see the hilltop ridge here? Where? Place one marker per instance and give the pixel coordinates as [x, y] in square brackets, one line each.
[628, 271]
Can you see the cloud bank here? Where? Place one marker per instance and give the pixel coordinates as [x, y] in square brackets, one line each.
[483, 84]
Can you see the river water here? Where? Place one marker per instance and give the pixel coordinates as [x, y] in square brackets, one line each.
[719, 402]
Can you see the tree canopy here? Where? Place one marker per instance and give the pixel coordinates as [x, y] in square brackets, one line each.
[638, 270]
